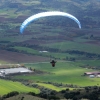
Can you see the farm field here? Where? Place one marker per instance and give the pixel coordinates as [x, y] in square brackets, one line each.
[14, 57]
[71, 45]
[52, 87]
[64, 72]
[9, 86]
[76, 50]
[47, 54]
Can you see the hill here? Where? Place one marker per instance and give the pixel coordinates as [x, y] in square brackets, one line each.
[40, 35]
[25, 97]
[85, 10]
[60, 37]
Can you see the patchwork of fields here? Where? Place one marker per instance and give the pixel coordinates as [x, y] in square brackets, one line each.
[59, 36]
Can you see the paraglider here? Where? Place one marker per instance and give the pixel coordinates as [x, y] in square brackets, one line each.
[45, 14]
[53, 63]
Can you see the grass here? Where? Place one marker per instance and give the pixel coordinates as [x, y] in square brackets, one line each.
[49, 86]
[75, 46]
[90, 62]
[36, 52]
[8, 86]
[28, 50]
[64, 72]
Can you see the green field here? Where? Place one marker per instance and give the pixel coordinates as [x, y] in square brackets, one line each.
[9, 86]
[48, 34]
[64, 72]
[36, 52]
[49, 86]
[68, 45]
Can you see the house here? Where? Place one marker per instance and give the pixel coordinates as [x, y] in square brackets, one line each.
[92, 73]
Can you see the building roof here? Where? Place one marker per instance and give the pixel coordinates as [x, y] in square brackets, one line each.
[89, 73]
[15, 70]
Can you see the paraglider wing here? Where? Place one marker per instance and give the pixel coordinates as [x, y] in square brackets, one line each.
[45, 14]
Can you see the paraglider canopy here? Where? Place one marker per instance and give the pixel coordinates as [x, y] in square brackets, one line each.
[45, 14]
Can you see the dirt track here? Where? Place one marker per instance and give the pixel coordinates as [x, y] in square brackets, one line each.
[13, 57]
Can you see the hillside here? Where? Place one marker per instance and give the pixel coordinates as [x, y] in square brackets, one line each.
[25, 97]
[60, 31]
[76, 50]
[86, 10]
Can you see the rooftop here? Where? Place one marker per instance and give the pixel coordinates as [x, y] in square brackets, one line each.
[15, 70]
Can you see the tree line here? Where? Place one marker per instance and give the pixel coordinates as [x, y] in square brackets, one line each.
[88, 93]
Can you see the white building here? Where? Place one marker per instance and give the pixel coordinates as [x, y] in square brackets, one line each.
[9, 71]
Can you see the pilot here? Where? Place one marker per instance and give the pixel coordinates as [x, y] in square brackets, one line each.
[53, 63]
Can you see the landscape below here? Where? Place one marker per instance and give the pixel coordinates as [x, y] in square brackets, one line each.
[76, 51]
